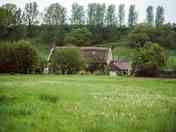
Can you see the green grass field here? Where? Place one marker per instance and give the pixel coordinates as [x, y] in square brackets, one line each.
[51, 103]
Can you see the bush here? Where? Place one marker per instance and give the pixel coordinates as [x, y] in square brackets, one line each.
[7, 59]
[66, 61]
[26, 57]
[148, 60]
[78, 37]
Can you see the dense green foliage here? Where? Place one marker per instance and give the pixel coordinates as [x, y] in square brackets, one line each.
[86, 104]
[18, 57]
[78, 37]
[164, 35]
[78, 16]
[100, 20]
[55, 14]
[66, 61]
[148, 60]
[132, 18]
[26, 57]
[150, 15]
[7, 58]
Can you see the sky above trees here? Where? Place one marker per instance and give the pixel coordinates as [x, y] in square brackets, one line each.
[141, 5]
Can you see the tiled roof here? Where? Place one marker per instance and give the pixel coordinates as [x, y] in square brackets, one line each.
[95, 54]
[92, 54]
[120, 65]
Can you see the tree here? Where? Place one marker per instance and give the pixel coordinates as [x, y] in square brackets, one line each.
[111, 15]
[10, 7]
[96, 14]
[78, 16]
[26, 57]
[55, 14]
[18, 16]
[150, 15]
[159, 20]
[121, 15]
[139, 36]
[100, 14]
[30, 13]
[66, 61]
[132, 18]
[7, 17]
[148, 60]
[91, 14]
[78, 37]
[7, 60]
[6, 20]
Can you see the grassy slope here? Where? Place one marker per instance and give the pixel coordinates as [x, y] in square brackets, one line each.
[34, 103]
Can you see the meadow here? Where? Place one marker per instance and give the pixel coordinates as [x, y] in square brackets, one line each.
[54, 103]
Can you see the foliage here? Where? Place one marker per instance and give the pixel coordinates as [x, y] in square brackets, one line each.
[96, 14]
[30, 13]
[10, 7]
[150, 15]
[26, 57]
[164, 35]
[66, 61]
[111, 19]
[159, 20]
[53, 35]
[6, 17]
[55, 14]
[132, 18]
[148, 60]
[78, 37]
[121, 15]
[139, 36]
[7, 59]
[78, 16]
[18, 15]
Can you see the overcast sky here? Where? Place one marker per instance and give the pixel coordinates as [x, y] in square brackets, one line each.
[141, 5]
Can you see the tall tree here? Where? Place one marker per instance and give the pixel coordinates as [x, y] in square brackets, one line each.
[150, 15]
[121, 14]
[100, 14]
[30, 13]
[18, 16]
[55, 14]
[132, 18]
[10, 7]
[159, 20]
[78, 16]
[96, 14]
[111, 15]
[91, 14]
[10, 10]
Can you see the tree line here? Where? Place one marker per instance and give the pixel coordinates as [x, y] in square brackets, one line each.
[95, 14]
[94, 25]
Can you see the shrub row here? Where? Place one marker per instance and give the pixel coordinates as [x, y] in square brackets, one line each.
[19, 57]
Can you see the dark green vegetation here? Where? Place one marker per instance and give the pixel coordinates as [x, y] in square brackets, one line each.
[86, 104]
[66, 61]
[99, 25]
[20, 57]
[148, 60]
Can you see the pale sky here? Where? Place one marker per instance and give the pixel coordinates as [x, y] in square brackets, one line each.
[141, 5]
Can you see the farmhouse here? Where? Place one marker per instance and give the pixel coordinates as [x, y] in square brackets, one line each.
[96, 57]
